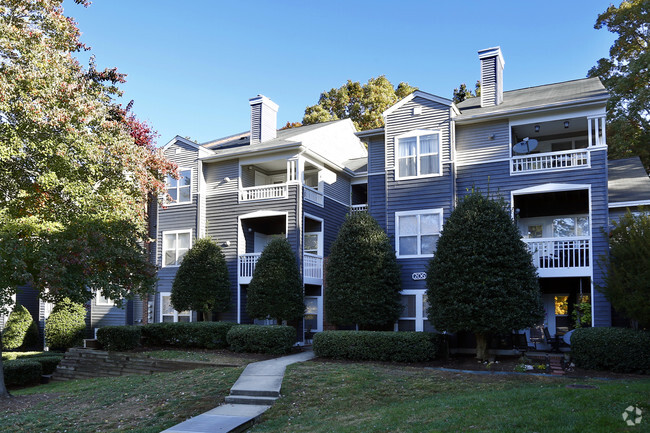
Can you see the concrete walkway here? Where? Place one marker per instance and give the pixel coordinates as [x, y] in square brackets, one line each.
[254, 392]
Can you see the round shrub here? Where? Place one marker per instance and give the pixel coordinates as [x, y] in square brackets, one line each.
[376, 346]
[275, 340]
[66, 325]
[616, 349]
[19, 372]
[116, 338]
[48, 363]
[21, 331]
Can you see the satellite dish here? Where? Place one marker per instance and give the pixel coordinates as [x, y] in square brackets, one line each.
[525, 146]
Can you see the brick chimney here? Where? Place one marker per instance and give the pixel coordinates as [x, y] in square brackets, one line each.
[492, 64]
[264, 119]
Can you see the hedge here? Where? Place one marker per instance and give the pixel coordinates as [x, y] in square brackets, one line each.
[376, 346]
[48, 363]
[116, 338]
[204, 335]
[275, 339]
[616, 349]
[20, 372]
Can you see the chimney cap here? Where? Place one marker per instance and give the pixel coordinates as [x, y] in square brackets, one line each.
[491, 52]
[261, 99]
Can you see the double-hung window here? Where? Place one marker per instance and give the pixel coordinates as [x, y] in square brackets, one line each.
[179, 190]
[175, 246]
[167, 312]
[417, 232]
[418, 154]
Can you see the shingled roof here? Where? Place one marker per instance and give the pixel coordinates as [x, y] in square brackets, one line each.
[628, 181]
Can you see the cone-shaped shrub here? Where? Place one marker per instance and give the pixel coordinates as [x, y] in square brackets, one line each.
[21, 331]
[66, 325]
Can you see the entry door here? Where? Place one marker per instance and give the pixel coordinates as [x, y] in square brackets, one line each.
[313, 319]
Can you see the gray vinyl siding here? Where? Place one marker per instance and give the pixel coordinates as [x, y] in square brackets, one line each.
[186, 158]
[376, 155]
[222, 212]
[181, 217]
[434, 116]
[106, 315]
[497, 177]
[215, 173]
[488, 81]
[333, 215]
[339, 190]
[473, 144]
[377, 182]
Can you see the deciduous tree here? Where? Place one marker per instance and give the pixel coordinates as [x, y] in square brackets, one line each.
[626, 75]
[363, 279]
[627, 282]
[276, 289]
[201, 283]
[76, 169]
[364, 104]
[482, 278]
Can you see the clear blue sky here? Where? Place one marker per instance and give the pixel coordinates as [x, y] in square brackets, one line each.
[192, 66]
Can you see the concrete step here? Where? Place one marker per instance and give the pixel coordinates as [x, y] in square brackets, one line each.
[254, 393]
[246, 399]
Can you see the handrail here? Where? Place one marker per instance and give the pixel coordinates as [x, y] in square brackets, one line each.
[551, 161]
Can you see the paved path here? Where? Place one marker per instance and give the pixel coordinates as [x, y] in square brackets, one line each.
[253, 393]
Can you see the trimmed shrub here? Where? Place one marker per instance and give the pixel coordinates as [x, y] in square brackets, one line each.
[116, 338]
[48, 363]
[204, 335]
[20, 372]
[66, 325]
[21, 331]
[376, 346]
[276, 339]
[616, 349]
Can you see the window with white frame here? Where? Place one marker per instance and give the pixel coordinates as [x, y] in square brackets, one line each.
[102, 300]
[167, 312]
[179, 190]
[417, 232]
[418, 154]
[175, 246]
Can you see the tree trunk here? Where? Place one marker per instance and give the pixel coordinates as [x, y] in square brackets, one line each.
[481, 346]
[207, 316]
[3, 388]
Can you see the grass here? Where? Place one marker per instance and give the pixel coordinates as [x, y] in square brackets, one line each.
[348, 397]
[141, 404]
[220, 357]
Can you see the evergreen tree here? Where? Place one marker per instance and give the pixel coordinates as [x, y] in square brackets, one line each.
[66, 325]
[20, 331]
[482, 278]
[627, 282]
[276, 288]
[201, 283]
[363, 277]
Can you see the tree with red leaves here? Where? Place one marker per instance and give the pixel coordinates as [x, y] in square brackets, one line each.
[76, 169]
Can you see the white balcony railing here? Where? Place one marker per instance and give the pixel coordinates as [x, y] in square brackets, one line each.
[312, 266]
[359, 208]
[560, 253]
[313, 195]
[265, 192]
[550, 161]
[246, 266]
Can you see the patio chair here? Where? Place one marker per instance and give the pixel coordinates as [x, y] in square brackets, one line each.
[554, 342]
[521, 344]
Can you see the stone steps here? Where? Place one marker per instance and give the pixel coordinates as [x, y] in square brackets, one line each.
[79, 363]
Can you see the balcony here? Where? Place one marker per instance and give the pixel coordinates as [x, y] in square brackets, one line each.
[355, 208]
[312, 268]
[553, 161]
[561, 257]
[264, 192]
[313, 195]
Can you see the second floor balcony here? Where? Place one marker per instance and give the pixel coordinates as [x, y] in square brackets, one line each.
[561, 257]
[312, 265]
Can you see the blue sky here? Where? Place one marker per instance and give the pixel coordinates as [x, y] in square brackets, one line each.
[192, 66]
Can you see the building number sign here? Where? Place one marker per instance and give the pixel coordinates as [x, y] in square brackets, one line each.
[417, 276]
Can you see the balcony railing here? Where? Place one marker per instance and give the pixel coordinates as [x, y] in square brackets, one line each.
[312, 266]
[359, 208]
[550, 161]
[313, 195]
[265, 192]
[560, 253]
[246, 266]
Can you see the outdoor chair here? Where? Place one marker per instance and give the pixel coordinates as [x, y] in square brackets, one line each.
[554, 342]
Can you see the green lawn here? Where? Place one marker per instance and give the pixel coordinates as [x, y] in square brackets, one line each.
[339, 397]
[149, 403]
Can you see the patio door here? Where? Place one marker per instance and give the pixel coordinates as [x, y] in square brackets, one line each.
[313, 319]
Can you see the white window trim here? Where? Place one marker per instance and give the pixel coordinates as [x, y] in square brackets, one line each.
[438, 211]
[417, 133]
[160, 312]
[176, 203]
[420, 315]
[172, 232]
[106, 303]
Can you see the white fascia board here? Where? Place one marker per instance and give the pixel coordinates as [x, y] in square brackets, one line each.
[551, 187]
[360, 179]
[244, 151]
[526, 119]
[494, 115]
[185, 141]
[419, 94]
[630, 203]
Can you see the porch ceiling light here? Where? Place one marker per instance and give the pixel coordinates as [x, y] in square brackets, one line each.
[536, 128]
